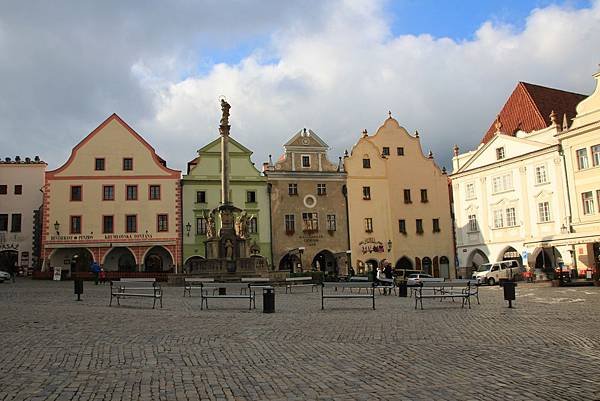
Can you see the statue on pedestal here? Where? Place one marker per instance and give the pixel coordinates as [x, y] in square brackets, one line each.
[211, 230]
[241, 225]
[228, 250]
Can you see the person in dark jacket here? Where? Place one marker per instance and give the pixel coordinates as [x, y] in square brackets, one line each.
[388, 274]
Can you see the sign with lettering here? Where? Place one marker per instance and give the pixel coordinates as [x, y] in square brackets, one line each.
[311, 240]
[370, 245]
[71, 237]
[110, 237]
[9, 247]
[56, 276]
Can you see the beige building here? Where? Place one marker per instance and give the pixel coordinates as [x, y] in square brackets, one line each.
[114, 202]
[581, 148]
[308, 208]
[399, 205]
[20, 203]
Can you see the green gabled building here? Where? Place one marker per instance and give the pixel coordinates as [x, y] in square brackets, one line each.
[202, 193]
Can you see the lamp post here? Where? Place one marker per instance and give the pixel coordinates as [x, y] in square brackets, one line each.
[188, 227]
[57, 227]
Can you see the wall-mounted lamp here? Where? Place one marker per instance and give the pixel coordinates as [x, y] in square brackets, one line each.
[188, 227]
[57, 227]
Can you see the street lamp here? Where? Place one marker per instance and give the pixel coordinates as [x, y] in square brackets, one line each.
[389, 244]
[188, 227]
[57, 227]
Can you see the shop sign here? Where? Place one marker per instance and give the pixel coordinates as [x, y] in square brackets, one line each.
[71, 237]
[127, 236]
[8, 247]
[311, 240]
[370, 245]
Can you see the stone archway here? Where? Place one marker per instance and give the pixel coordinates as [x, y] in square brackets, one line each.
[325, 261]
[427, 265]
[192, 264]
[510, 253]
[371, 264]
[119, 259]
[444, 267]
[71, 260]
[404, 263]
[546, 260]
[158, 259]
[8, 259]
[290, 262]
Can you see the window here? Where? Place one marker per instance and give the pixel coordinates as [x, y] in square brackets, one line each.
[582, 160]
[131, 223]
[424, 196]
[292, 189]
[75, 226]
[132, 193]
[18, 189]
[502, 183]
[366, 163]
[76, 192]
[419, 224]
[305, 161]
[127, 163]
[200, 196]
[473, 223]
[253, 225]
[498, 219]
[366, 193]
[154, 192]
[596, 155]
[544, 212]
[386, 151]
[436, 225]
[3, 222]
[402, 226]
[331, 224]
[108, 224]
[3, 189]
[200, 226]
[368, 225]
[310, 221]
[162, 222]
[99, 164]
[540, 175]
[400, 151]
[15, 224]
[321, 189]
[511, 217]
[588, 202]
[470, 191]
[499, 153]
[290, 223]
[250, 196]
[108, 192]
[407, 196]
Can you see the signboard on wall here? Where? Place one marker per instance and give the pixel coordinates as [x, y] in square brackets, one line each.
[57, 272]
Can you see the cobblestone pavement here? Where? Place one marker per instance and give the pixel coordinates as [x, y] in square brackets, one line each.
[54, 348]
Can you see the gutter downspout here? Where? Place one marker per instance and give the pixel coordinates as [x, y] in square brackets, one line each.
[561, 152]
[269, 190]
[345, 192]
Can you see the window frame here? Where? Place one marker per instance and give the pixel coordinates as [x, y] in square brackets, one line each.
[366, 162]
[582, 159]
[402, 226]
[125, 159]
[303, 158]
[500, 153]
[127, 230]
[473, 226]
[164, 228]
[310, 223]
[540, 172]
[4, 217]
[80, 193]
[127, 186]
[250, 196]
[419, 226]
[289, 223]
[16, 228]
[102, 161]
[3, 189]
[470, 191]
[385, 151]
[253, 225]
[424, 199]
[595, 149]
[436, 225]
[104, 188]
[400, 151]
[366, 193]
[73, 218]
[18, 189]
[588, 203]
[498, 218]
[331, 223]
[201, 225]
[292, 189]
[112, 230]
[511, 217]
[544, 212]
[201, 196]
[368, 224]
[150, 186]
[321, 189]
[407, 196]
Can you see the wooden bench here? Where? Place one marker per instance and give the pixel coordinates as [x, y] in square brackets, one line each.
[299, 282]
[368, 285]
[441, 290]
[256, 282]
[231, 291]
[135, 287]
[190, 284]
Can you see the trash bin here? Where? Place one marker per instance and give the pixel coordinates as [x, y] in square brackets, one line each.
[509, 291]
[588, 274]
[402, 289]
[222, 291]
[78, 283]
[268, 300]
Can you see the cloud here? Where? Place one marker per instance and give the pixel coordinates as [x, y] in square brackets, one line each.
[334, 67]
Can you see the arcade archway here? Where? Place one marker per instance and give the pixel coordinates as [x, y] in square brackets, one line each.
[8, 260]
[427, 265]
[72, 260]
[158, 259]
[325, 261]
[119, 259]
[290, 262]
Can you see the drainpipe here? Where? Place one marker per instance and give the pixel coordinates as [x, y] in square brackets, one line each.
[345, 192]
[269, 190]
[561, 152]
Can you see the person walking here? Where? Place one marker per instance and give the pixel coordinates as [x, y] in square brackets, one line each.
[96, 271]
[13, 271]
[102, 276]
[388, 274]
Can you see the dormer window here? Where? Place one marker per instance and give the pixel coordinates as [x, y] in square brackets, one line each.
[386, 151]
[500, 153]
[366, 163]
[305, 161]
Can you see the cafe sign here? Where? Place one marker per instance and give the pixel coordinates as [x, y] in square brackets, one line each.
[370, 245]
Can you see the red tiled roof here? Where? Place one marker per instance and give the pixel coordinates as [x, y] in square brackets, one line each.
[529, 106]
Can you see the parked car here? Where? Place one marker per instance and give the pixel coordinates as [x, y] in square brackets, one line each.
[491, 273]
[4, 276]
[415, 278]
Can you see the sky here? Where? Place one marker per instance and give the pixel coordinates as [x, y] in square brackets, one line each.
[444, 68]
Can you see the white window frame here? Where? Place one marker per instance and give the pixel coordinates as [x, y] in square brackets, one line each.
[470, 190]
[544, 212]
[595, 155]
[289, 223]
[498, 218]
[500, 153]
[473, 227]
[582, 159]
[541, 175]
[302, 161]
[331, 222]
[588, 203]
[511, 217]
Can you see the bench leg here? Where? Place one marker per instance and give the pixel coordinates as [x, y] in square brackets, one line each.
[154, 302]
[161, 301]
[111, 297]
[322, 303]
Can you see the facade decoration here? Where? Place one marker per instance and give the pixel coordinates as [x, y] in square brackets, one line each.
[114, 202]
[308, 208]
[20, 212]
[399, 207]
[510, 194]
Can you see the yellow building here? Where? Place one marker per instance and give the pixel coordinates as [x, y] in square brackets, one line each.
[581, 148]
[399, 206]
[114, 202]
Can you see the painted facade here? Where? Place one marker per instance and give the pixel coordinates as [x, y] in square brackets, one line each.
[202, 193]
[20, 204]
[399, 205]
[581, 147]
[114, 202]
[308, 208]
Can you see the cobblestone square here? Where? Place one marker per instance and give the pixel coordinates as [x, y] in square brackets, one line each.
[54, 348]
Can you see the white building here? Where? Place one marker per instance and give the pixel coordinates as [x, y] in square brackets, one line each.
[510, 194]
[20, 199]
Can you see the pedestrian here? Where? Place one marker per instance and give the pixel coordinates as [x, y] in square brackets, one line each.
[96, 271]
[102, 276]
[388, 274]
[13, 271]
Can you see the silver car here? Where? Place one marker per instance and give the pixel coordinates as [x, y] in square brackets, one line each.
[4, 276]
[415, 278]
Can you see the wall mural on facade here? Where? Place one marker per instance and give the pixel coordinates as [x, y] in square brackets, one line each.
[370, 245]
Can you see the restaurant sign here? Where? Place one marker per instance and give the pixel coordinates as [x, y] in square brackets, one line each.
[370, 245]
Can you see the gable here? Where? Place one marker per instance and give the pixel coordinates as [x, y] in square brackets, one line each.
[233, 147]
[208, 162]
[308, 138]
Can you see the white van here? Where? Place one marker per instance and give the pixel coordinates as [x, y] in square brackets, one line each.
[491, 273]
